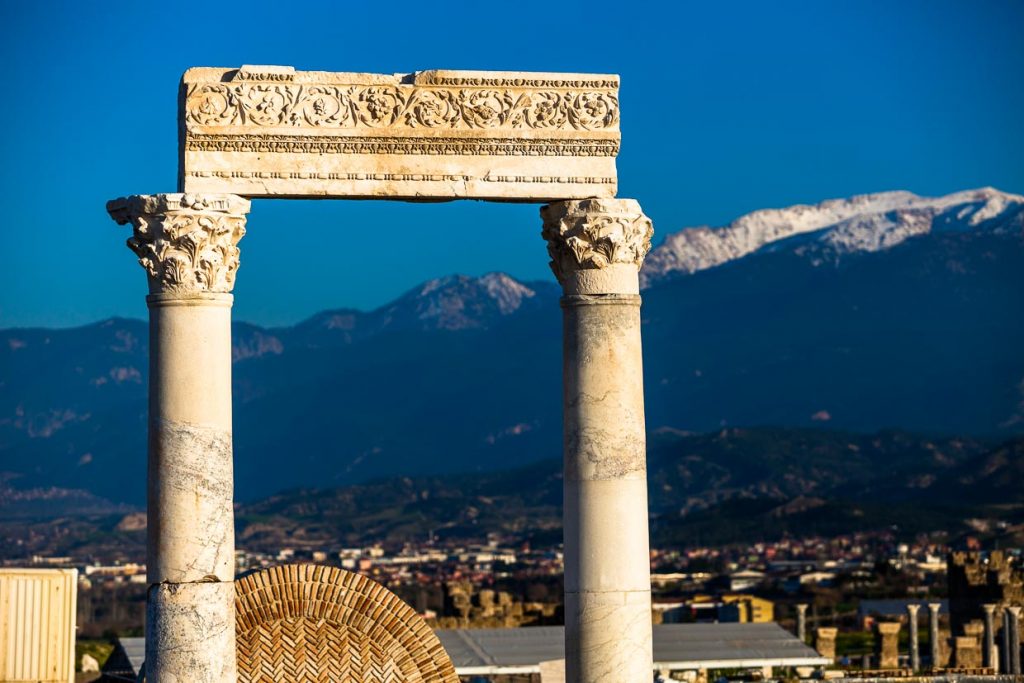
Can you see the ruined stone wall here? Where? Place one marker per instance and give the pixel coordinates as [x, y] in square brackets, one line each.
[978, 578]
[467, 607]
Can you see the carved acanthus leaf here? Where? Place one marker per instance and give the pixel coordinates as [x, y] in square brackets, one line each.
[595, 233]
[186, 243]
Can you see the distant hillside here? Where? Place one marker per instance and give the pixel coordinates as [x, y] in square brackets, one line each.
[992, 478]
[913, 325]
[691, 472]
[736, 485]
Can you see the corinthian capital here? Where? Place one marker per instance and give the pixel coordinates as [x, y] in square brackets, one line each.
[595, 234]
[187, 243]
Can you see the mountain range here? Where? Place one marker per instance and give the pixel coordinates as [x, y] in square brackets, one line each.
[880, 311]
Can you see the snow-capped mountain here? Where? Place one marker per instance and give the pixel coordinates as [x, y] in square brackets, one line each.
[826, 231]
[458, 302]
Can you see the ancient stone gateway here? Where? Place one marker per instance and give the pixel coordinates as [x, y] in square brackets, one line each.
[270, 132]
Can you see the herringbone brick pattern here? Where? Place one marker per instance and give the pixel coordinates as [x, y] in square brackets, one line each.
[315, 624]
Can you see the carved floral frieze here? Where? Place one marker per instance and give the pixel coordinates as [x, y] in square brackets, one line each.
[272, 131]
[384, 106]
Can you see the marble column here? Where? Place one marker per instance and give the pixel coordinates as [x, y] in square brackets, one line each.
[933, 633]
[187, 245]
[596, 248]
[915, 645]
[1014, 611]
[801, 622]
[989, 642]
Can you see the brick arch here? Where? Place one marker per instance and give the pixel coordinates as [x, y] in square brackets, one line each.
[304, 622]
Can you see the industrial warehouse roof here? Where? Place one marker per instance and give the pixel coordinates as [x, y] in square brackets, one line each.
[676, 646]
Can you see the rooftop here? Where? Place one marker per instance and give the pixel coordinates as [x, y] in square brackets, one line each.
[676, 646]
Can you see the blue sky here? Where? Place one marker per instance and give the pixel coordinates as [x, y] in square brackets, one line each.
[727, 107]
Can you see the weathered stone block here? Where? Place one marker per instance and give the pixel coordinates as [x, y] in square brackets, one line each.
[888, 645]
[271, 131]
[825, 641]
[945, 651]
[968, 652]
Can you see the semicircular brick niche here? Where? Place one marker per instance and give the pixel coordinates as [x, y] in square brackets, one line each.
[306, 622]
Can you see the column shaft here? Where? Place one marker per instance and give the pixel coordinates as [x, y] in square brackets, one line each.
[186, 243]
[607, 559]
[190, 490]
[915, 651]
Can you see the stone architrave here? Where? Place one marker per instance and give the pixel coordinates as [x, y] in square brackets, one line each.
[187, 245]
[888, 644]
[596, 248]
[825, 641]
[272, 131]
